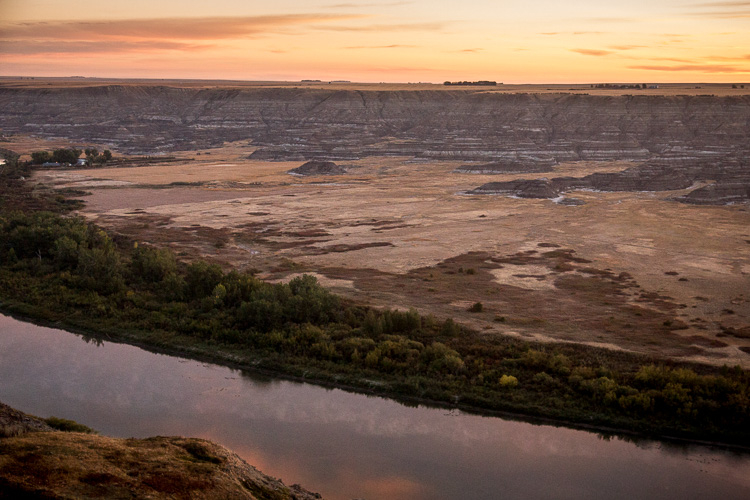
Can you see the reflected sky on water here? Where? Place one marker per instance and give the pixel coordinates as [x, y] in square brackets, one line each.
[340, 444]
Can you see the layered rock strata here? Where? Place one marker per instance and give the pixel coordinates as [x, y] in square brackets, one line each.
[695, 132]
[290, 124]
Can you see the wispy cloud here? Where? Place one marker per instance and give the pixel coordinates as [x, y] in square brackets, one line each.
[592, 52]
[720, 4]
[695, 68]
[745, 57]
[722, 14]
[393, 46]
[436, 26]
[33, 47]
[354, 5]
[720, 10]
[668, 59]
[603, 20]
[554, 33]
[627, 47]
[211, 28]
[475, 50]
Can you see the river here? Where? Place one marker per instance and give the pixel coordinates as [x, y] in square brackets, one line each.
[340, 444]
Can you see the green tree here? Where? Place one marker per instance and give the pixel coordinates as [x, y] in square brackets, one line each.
[39, 157]
[152, 265]
[201, 279]
[65, 155]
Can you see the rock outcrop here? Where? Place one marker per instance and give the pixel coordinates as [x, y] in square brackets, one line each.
[536, 188]
[518, 165]
[731, 175]
[314, 167]
[38, 462]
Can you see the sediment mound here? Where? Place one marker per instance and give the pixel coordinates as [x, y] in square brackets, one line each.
[721, 193]
[537, 188]
[731, 175]
[315, 167]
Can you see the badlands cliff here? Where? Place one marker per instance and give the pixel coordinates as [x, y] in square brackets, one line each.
[708, 135]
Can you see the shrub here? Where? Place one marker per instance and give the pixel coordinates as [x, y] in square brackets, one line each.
[62, 424]
[201, 279]
[476, 307]
[152, 265]
[99, 270]
[508, 381]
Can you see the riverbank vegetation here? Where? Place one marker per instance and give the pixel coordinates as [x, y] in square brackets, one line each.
[64, 270]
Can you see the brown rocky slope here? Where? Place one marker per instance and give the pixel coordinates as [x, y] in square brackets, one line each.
[38, 462]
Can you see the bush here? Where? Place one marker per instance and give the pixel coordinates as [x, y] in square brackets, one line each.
[201, 279]
[62, 424]
[152, 265]
[476, 307]
[99, 270]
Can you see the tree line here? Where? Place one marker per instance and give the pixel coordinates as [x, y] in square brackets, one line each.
[70, 156]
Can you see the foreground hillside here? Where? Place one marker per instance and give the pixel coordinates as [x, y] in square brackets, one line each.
[37, 461]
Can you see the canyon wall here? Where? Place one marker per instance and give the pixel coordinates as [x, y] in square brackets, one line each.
[483, 127]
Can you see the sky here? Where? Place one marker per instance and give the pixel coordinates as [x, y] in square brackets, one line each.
[510, 41]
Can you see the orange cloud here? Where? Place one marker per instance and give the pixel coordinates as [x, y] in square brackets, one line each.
[553, 33]
[721, 4]
[697, 68]
[627, 47]
[211, 28]
[722, 10]
[357, 5]
[33, 47]
[437, 26]
[394, 46]
[592, 52]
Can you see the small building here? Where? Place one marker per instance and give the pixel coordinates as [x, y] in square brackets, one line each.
[82, 162]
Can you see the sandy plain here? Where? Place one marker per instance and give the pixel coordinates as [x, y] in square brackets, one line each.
[633, 271]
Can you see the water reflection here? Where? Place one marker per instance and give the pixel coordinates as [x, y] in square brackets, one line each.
[341, 444]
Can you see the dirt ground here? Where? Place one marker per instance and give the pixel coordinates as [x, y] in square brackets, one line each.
[630, 271]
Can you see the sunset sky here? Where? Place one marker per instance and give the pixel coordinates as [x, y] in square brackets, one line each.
[511, 41]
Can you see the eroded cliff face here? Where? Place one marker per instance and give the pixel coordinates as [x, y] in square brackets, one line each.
[483, 127]
[345, 124]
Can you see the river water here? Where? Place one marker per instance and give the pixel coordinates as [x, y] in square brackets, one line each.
[340, 444]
